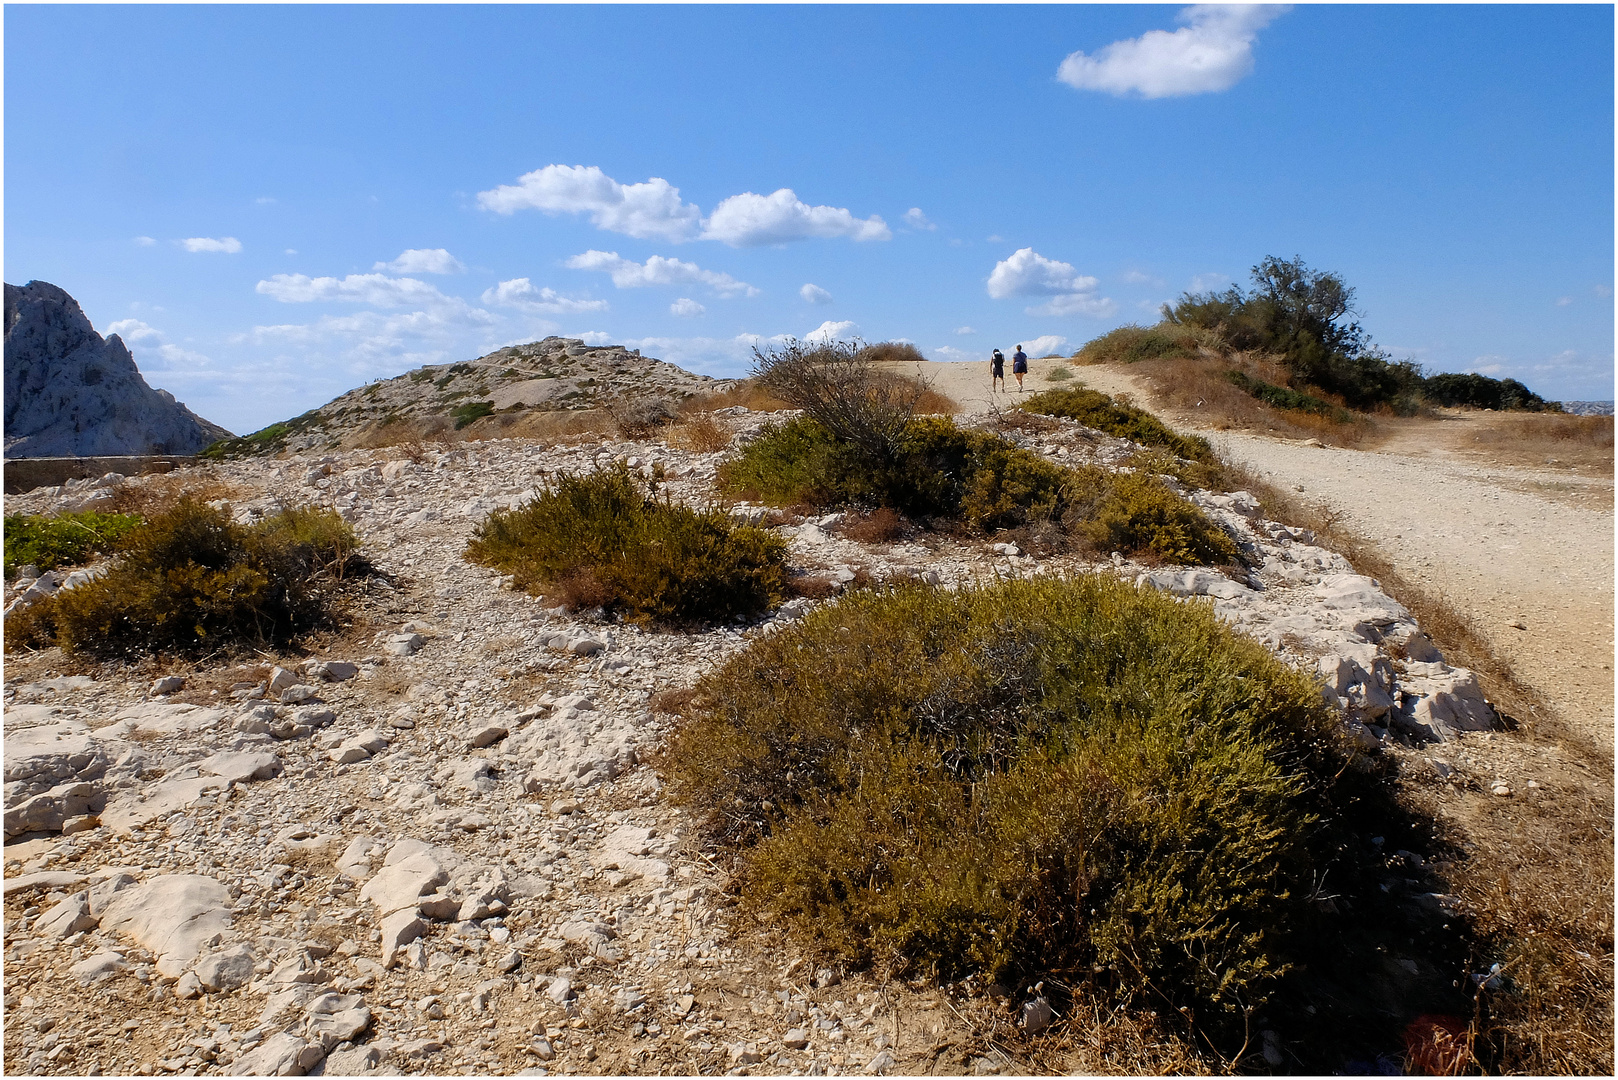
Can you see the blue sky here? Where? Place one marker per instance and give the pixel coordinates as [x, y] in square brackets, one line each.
[276, 204]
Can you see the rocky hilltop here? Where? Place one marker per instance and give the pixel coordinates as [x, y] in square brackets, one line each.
[506, 392]
[71, 393]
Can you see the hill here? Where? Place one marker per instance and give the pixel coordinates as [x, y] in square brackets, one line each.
[71, 393]
[515, 391]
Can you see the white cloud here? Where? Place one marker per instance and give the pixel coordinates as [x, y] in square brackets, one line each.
[1204, 282]
[918, 220]
[1563, 301]
[377, 290]
[995, 238]
[814, 294]
[292, 251]
[1028, 273]
[1213, 51]
[1137, 277]
[151, 342]
[133, 330]
[649, 210]
[144, 241]
[1044, 345]
[750, 220]
[594, 337]
[686, 308]
[423, 261]
[658, 270]
[964, 330]
[1075, 304]
[265, 200]
[227, 245]
[950, 354]
[1603, 291]
[520, 293]
[832, 331]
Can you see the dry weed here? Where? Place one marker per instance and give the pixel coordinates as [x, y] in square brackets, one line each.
[878, 527]
[1544, 438]
[699, 434]
[747, 393]
[148, 495]
[1200, 387]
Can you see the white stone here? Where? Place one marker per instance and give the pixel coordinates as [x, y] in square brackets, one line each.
[227, 969]
[279, 1055]
[175, 916]
[241, 766]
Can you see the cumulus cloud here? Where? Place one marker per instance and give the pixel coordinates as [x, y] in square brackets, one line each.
[225, 245]
[1213, 51]
[521, 293]
[144, 241]
[832, 331]
[964, 330]
[814, 294]
[376, 290]
[918, 220]
[686, 308]
[658, 270]
[950, 354]
[1563, 301]
[649, 210]
[1204, 282]
[1044, 345]
[422, 261]
[1137, 277]
[1028, 273]
[151, 342]
[594, 337]
[751, 220]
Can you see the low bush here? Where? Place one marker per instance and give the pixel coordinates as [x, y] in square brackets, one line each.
[1133, 343]
[1283, 398]
[891, 351]
[1042, 776]
[470, 412]
[1096, 410]
[64, 540]
[1482, 392]
[977, 482]
[596, 540]
[700, 433]
[190, 578]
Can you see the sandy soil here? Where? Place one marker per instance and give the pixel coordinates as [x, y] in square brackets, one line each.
[1525, 553]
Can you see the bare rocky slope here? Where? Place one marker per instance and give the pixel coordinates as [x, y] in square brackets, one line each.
[486, 396]
[436, 844]
[69, 393]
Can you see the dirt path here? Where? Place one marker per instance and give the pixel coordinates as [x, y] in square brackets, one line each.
[1526, 554]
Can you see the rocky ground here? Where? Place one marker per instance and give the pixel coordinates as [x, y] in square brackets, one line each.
[436, 841]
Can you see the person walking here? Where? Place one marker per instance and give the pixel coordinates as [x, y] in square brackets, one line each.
[1019, 366]
[997, 371]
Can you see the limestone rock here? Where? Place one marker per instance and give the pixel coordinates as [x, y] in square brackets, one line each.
[279, 1055]
[49, 811]
[175, 916]
[227, 969]
[69, 393]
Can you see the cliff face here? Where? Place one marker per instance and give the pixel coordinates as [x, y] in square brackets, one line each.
[69, 393]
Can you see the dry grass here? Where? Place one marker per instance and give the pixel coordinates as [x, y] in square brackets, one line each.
[699, 433]
[1537, 876]
[1200, 388]
[748, 393]
[1542, 438]
[150, 495]
[878, 527]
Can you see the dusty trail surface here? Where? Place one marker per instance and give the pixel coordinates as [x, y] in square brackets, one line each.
[1525, 553]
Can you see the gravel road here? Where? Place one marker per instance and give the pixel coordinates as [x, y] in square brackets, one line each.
[1526, 554]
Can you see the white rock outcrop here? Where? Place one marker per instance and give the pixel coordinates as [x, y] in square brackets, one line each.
[71, 393]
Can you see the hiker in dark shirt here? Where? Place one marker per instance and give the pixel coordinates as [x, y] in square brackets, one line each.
[997, 371]
[1019, 366]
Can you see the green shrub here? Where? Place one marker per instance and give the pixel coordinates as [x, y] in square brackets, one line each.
[596, 541]
[978, 482]
[1096, 410]
[1132, 343]
[65, 540]
[1283, 398]
[471, 411]
[1482, 392]
[190, 578]
[1071, 776]
[1138, 514]
[267, 440]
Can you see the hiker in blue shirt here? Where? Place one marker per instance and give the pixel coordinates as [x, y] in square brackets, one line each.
[1019, 366]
